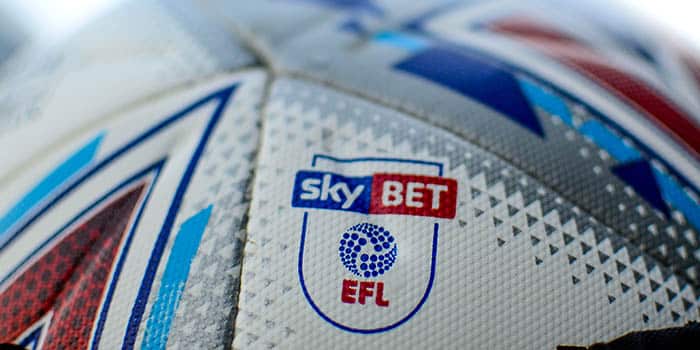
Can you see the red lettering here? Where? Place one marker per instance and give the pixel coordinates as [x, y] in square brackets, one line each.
[365, 291]
[348, 292]
[379, 300]
[418, 195]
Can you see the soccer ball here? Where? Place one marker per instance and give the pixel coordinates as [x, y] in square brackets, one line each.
[349, 174]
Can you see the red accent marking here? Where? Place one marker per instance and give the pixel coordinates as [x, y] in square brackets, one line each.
[652, 104]
[68, 279]
[525, 28]
[413, 195]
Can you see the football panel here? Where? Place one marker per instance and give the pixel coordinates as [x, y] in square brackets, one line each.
[515, 266]
[163, 269]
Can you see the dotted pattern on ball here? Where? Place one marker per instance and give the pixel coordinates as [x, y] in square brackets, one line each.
[367, 250]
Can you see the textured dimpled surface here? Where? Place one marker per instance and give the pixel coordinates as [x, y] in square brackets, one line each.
[525, 264]
[576, 213]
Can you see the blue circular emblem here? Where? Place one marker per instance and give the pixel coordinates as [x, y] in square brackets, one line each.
[367, 250]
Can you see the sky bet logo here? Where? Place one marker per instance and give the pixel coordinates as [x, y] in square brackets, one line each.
[399, 194]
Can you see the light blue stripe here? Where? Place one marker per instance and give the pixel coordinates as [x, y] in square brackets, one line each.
[174, 278]
[546, 100]
[403, 41]
[678, 198]
[53, 180]
[608, 141]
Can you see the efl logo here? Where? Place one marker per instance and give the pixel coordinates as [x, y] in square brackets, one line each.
[368, 251]
[399, 194]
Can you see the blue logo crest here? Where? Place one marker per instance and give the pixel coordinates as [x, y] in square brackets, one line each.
[367, 250]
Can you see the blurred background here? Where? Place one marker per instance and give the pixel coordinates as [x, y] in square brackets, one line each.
[24, 20]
